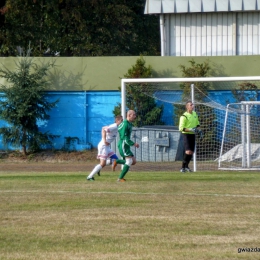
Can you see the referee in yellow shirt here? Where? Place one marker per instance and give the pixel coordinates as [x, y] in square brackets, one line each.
[189, 125]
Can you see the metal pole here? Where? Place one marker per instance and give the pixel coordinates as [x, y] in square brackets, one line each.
[123, 98]
[248, 135]
[194, 154]
[223, 136]
[243, 136]
[162, 35]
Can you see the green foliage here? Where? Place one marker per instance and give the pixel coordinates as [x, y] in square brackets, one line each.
[24, 104]
[194, 71]
[147, 111]
[246, 91]
[79, 28]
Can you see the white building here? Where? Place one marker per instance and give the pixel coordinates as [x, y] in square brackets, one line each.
[207, 27]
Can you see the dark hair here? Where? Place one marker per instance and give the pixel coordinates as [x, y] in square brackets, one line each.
[118, 117]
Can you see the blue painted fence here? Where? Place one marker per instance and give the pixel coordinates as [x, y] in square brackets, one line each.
[79, 116]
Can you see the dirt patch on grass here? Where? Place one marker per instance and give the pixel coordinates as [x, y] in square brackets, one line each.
[55, 161]
[50, 156]
[74, 161]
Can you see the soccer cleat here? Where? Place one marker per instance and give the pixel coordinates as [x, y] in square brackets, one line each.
[183, 170]
[90, 179]
[114, 164]
[187, 169]
[98, 173]
[121, 180]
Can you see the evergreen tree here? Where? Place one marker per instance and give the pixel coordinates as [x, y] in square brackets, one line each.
[148, 113]
[24, 103]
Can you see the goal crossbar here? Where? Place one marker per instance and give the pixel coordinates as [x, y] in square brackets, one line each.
[158, 80]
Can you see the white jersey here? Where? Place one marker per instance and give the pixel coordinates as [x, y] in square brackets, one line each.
[111, 132]
[104, 151]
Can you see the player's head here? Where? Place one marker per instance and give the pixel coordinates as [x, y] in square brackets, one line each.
[131, 115]
[118, 120]
[189, 106]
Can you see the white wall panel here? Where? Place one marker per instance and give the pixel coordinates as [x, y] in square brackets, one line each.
[215, 37]
[213, 34]
[183, 36]
[249, 5]
[203, 36]
[188, 42]
[195, 6]
[199, 6]
[209, 25]
[198, 35]
[250, 33]
[177, 49]
[168, 6]
[236, 5]
[181, 6]
[222, 6]
[225, 34]
[167, 35]
[231, 32]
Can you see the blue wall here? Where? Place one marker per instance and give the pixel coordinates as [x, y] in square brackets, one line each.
[81, 115]
[78, 114]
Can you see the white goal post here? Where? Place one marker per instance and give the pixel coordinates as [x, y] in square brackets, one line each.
[240, 146]
[156, 140]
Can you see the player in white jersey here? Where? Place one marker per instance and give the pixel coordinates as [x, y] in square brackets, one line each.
[105, 153]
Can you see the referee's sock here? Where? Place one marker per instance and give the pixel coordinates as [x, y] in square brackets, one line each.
[184, 162]
[189, 156]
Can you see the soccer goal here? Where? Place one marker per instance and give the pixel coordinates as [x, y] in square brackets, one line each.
[159, 102]
[240, 147]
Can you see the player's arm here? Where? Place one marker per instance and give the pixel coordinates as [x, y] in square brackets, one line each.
[182, 123]
[104, 135]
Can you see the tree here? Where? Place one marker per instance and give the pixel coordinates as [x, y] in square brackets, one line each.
[246, 91]
[79, 28]
[24, 103]
[207, 116]
[148, 113]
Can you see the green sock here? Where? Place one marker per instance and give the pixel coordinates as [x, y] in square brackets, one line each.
[124, 171]
[119, 161]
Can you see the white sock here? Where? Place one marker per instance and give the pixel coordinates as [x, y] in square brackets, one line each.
[95, 170]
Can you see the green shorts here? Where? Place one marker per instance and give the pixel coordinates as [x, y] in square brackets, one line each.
[124, 149]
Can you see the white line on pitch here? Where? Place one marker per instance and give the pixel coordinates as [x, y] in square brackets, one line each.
[137, 193]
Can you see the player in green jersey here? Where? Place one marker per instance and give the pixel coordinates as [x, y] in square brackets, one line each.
[189, 125]
[125, 142]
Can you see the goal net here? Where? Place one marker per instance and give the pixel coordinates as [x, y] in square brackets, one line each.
[160, 102]
[240, 147]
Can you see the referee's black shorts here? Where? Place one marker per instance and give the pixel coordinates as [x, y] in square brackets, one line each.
[189, 142]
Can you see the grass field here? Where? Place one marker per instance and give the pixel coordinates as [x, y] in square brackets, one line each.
[155, 215]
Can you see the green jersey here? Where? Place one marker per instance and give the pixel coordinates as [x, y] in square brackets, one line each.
[188, 120]
[125, 130]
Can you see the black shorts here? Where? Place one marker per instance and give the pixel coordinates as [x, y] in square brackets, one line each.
[189, 142]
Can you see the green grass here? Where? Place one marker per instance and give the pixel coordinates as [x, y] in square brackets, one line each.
[158, 215]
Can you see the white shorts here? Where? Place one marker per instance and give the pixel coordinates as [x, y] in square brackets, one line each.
[104, 151]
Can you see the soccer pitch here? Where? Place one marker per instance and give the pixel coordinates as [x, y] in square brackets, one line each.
[155, 215]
